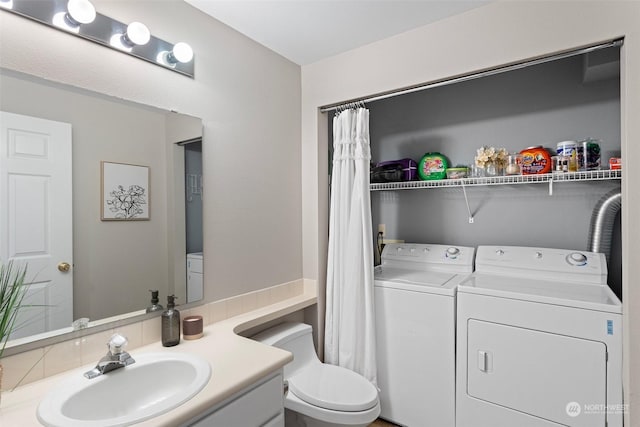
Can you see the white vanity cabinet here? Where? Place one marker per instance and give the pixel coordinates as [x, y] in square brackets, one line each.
[259, 405]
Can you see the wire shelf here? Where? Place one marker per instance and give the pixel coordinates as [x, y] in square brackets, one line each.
[595, 175]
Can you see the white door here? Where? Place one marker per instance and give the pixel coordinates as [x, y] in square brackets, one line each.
[36, 217]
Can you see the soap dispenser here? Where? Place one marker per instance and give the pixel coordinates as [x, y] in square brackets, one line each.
[154, 302]
[170, 324]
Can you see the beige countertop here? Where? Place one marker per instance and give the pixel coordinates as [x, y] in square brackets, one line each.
[236, 363]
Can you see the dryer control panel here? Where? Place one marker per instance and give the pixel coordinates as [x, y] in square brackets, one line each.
[543, 263]
[422, 256]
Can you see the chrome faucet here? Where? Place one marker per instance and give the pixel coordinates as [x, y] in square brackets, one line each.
[116, 357]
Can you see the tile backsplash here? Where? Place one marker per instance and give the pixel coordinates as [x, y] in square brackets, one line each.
[33, 365]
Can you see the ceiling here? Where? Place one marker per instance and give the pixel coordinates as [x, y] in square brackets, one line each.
[306, 31]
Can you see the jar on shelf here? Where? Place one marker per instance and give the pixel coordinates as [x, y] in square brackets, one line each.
[514, 160]
[493, 169]
[589, 154]
[491, 160]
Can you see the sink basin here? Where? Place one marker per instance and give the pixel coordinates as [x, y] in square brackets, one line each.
[156, 383]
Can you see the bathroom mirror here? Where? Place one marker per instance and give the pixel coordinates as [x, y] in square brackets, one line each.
[114, 263]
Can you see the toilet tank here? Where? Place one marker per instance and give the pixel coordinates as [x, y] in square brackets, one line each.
[295, 338]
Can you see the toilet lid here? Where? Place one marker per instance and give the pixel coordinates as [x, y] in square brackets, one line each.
[334, 387]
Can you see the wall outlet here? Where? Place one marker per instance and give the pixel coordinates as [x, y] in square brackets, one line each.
[382, 229]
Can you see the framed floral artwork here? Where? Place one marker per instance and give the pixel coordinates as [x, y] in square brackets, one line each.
[125, 192]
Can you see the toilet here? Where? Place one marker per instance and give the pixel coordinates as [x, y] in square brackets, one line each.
[320, 395]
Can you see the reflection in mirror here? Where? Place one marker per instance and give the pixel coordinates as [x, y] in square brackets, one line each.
[193, 210]
[52, 200]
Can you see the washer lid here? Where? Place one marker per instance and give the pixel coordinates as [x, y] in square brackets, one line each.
[431, 282]
[415, 277]
[333, 387]
[558, 292]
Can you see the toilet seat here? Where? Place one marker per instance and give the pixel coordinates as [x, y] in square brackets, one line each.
[333, 387]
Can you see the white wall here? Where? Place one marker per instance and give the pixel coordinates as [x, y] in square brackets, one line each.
[496, 34]
[249, 100]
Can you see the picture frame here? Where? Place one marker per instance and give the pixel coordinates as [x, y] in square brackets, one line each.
[125, 192]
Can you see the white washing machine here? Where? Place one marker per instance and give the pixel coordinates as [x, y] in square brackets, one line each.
[539, 341]
[415, 302]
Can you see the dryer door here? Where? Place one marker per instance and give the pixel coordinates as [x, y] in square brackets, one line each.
[554, 377]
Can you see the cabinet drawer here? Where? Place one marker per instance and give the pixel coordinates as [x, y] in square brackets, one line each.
[276, 422]
[259, 406]
[194, 265]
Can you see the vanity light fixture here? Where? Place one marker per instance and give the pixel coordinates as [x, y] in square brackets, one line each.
[79, 17]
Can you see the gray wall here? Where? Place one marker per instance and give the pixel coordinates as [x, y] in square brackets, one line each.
[115, 263]
[538, 105]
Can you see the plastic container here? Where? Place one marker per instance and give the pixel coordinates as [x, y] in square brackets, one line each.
[394, 170]
[589, 154]
[569, 149]
[432, 166]
[535, 160]
[457, 173]
[566, 148]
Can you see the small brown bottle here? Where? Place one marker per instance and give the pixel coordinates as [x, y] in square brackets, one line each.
[170, 324]
[154, 302]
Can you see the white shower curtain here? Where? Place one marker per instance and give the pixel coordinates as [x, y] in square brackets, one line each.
[349, 320]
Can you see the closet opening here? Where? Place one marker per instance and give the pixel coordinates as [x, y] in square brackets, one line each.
[568, 97]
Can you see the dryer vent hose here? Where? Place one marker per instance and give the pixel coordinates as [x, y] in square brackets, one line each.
[602, 221]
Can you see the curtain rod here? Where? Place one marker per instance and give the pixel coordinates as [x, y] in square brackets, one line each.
[512, 67]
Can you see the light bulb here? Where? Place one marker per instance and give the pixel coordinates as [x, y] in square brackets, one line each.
[181, 52]
[81, 11]
[137, 34]
[63, 21]
[119, 42]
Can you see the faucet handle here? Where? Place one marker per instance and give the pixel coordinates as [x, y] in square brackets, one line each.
[117, 343]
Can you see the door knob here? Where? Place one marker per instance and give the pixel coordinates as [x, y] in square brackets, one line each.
[64, 267]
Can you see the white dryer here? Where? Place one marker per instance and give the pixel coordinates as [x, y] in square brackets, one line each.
[539, 341]
[415, 290]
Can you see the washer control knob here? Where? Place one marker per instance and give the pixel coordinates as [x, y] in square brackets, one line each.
[452, 252]
[538, 254]
[499, 252]
[576, 258]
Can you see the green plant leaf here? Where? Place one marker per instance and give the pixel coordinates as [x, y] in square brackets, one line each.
[12, 292]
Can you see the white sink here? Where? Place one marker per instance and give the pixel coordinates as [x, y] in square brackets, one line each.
[156, 383]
